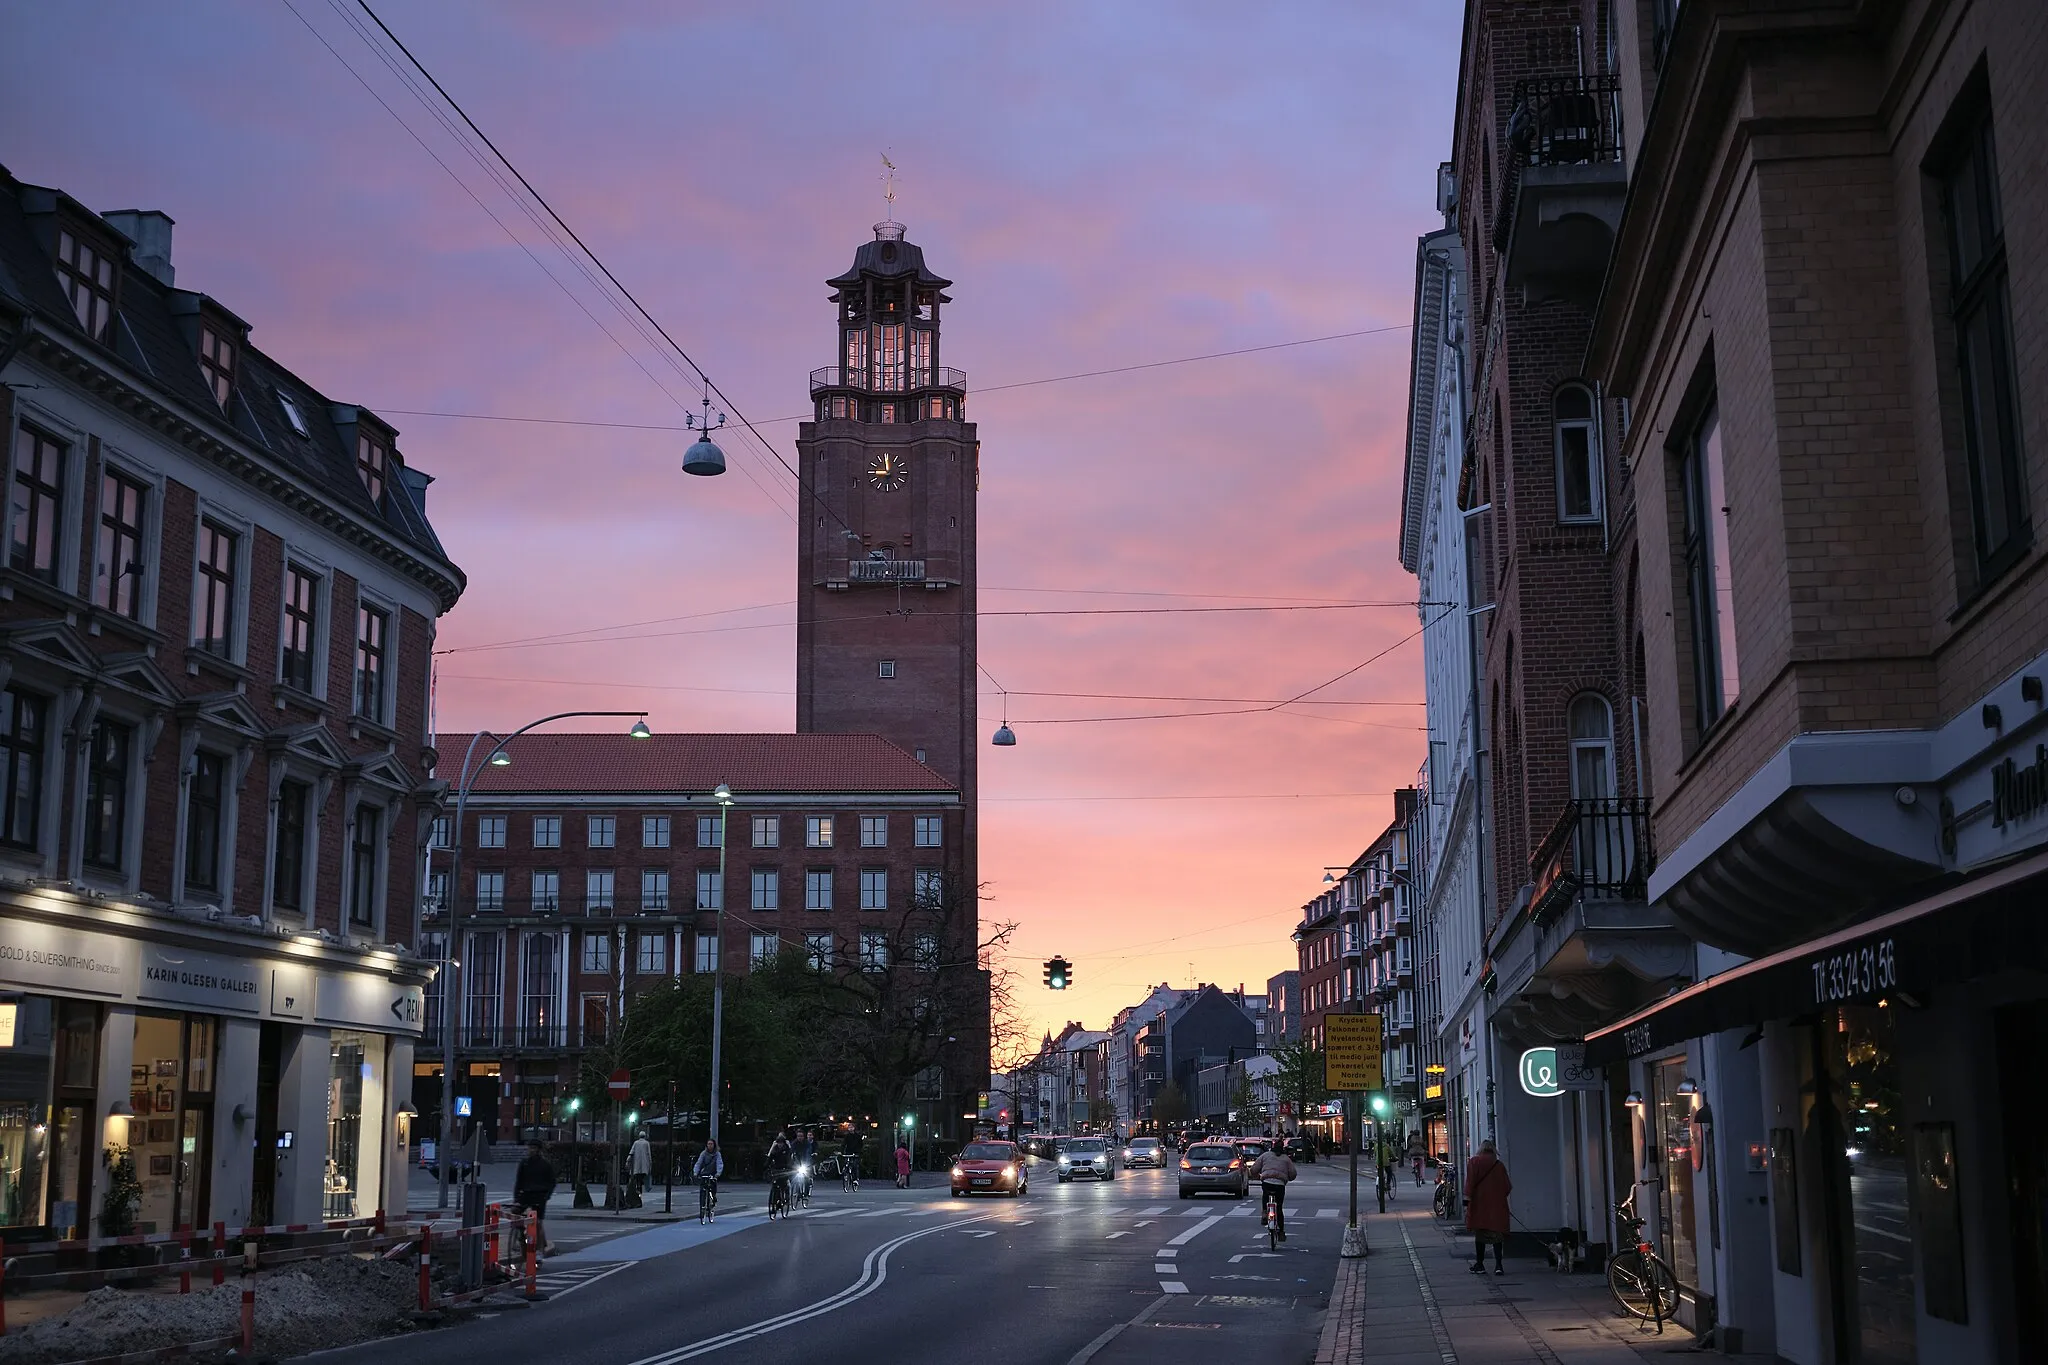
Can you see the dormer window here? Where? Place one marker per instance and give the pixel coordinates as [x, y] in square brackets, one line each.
[217, 364]
[292, 414]
[87, 277]
[370, 459]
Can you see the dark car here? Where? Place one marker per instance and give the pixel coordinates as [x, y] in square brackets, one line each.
[1251, 1148]
[1301, 1149]
[1212, 1168]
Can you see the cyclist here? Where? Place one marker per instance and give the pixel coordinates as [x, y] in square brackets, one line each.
[806, 1162]
[532, 1183]
[1273, 1170]
[781, 1163]
[1415, 1154]
[710, 1166]
[849, 1159]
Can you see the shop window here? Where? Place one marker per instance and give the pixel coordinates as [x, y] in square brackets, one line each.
[353, 1149]
[24, 1108]
[171, 1082]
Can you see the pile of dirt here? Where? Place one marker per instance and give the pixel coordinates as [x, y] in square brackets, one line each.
[299, 1308]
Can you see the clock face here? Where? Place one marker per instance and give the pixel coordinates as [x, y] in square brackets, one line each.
[888, 471]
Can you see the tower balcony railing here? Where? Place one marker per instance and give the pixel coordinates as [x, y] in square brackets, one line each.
[888, 379]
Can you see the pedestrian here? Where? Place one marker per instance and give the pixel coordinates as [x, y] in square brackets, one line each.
[1486, 1206]
[902, 1166]
[532, 1183]
[640, 1163]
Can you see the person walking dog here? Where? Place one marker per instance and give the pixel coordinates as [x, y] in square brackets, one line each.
[1486, 1206]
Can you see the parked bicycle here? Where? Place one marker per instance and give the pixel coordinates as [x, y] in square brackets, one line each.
[1445, 1200]
[1638, 1278]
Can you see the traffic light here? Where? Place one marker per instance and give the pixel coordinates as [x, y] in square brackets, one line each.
[1380, 1105]
[1059, 974]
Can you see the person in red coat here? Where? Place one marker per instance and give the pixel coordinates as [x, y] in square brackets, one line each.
[1486, 1206]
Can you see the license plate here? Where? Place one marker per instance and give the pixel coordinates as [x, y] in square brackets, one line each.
[983, 1180]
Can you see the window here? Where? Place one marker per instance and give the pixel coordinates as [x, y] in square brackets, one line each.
[817, 831]
[710, 889]
[490, 891]
[362, 854]
[707, 951]
[652, 959]
[597, 953]
[874, 831]
[925, 951]
[547, 889]
[118, 566]
[928, 885]
[818, 888]
[438, 886]
[888, 344]
[217, 364]
[290, 407]
[1578, 456]
[767, 831]
[767, 889]
[818, 950]
[1716, 682]
[1980, 309]
[442, 834]
[22, 739]
[654, 831]
[761, 949]
[490, 831]
[1592, 737]
[874, 952]
[106, 793]
[710, 831]
[604, 831]
[373, 625]
[38, 500]
[599, 887]
[547, 831]
[301, 628]
[886, 669]
[654, 891]
[370, 465]
[874, 888]
[213, 608]
[927, 832]
[203, 822]
[87, 277]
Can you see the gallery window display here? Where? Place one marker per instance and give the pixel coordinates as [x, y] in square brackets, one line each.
[170, 1087]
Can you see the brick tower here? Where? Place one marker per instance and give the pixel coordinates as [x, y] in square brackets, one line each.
[885, 523]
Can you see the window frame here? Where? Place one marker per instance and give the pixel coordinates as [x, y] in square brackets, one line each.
[313, 615]
[765, 831]
[30, 758]
[874, 888]
[217, 373]
[374, 687]
[654, 891]
[764, 889]
[544, 890]
[93, 836]
[601, 831]
[366, 867]
[818, 946]
[491, 899]
[547, 831]
[817, 879]
[600, 889]
[1701, 512]
[937, 826]
[656, 962]
[596, 952]
[1589, 425]
[710, 829]
[288, 859]
[874, 831]
[874, 950]
[818, 831]
[757, 940]
[1603, 745]
[704, 955]
[205, 823]
[373, 465]
[657, 825]
[234, 644]
[491, 830]
[45, 501]
[141, 577]
[710, 889]
[101, 284]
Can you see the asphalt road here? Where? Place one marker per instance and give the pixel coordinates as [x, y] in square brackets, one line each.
[1115, 1273]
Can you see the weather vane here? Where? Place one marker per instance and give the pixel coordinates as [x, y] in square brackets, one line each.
[889, 184]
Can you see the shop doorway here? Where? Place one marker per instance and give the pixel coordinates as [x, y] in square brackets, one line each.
[1865, 1151]
[1678, 1190]
[2022, 1041]
[171, 1136]
[263, 1185]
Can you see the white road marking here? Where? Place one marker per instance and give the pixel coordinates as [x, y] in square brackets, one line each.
[827, 1213]
[1256, 1256]
[1196, 1231]
[873, 1274]
[1329, 1213]
[1165, 1268]
[878, 1213]
[981, 1234]
[1087, 1353]
[1172, 1287]
[1153, 1212]
[1114, 1235]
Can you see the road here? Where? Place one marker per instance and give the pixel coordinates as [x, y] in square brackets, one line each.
[1117, 1273]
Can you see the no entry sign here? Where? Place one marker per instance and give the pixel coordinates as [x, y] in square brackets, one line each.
[621, 1084]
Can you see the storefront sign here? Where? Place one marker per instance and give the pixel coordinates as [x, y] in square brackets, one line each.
[1855, 973]
[10, 1013]
[291, 992]
[45, 957]
[213, 985]
[371, 1002]
[2019, 793]
[1572, 1071]
[1539, 1073]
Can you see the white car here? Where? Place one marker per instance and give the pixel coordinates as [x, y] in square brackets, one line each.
[1144, 1151]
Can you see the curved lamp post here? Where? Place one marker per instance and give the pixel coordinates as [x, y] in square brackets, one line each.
[451, 998]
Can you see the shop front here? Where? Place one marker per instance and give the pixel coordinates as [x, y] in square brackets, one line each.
[160, 1071]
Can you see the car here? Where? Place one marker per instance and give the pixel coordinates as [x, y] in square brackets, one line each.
[1251, 1148]
[1144, 1151]
[1211, 1168]
[1086, 1156]
[1301, 1149]
[989, 1168]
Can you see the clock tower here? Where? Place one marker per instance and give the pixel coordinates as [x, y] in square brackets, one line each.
[885, 522]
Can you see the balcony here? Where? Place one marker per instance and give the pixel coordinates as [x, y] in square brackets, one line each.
[567, 905]
[1599, 849]
[1561, 196]
[888, 379]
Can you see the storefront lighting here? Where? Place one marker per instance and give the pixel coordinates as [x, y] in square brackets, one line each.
[1633, 1100]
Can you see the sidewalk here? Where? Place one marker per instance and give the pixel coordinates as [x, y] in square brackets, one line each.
[1415, 1301]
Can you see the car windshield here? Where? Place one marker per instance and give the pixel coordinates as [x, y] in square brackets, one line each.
[1208, 1152]
[985, 1151]
[1252, 1148]
[1085, 1146]
[1143, 1144]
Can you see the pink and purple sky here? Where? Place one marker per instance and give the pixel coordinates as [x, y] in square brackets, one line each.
[1107, 185]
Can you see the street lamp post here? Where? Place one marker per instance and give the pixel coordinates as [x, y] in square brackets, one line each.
[723, 796]
[451, 999]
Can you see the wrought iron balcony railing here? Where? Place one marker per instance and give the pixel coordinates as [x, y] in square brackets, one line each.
[623, 904]
[1556, 121]
[1599, 847]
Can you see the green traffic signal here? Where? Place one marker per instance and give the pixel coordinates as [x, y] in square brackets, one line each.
[1379, 1105]
[1058, 974]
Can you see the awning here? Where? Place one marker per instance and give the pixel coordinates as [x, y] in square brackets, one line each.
[1994, 922]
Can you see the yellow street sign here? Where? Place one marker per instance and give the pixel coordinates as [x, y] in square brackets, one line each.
[1351, 1052]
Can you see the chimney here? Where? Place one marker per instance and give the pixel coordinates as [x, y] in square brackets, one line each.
[150, 231]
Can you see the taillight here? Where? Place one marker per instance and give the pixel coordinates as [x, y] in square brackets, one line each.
[1186, 1165]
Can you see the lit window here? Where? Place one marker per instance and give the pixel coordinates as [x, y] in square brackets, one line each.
[217, 364]
[38, 499]
[928, 831]
[874, 831]
[490, 831]
[604, 831]
[654, 831]
[547, 831]
[87, 278]
[818, 831]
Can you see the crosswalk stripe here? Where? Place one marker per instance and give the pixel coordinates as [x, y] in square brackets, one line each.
[1152, 1212]
[826, 1213]
[1329, 1213]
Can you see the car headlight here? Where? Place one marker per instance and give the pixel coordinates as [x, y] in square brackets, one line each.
[957, 1173]
[1009, 1173]
[1066, 1160]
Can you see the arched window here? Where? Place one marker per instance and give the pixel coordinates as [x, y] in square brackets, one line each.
[1578, 454]
[1591, 724]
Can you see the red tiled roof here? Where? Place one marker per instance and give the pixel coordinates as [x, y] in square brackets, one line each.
[555, 761]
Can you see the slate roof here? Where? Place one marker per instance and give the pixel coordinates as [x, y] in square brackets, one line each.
[556, 763]
[148, 339]
[905, 258]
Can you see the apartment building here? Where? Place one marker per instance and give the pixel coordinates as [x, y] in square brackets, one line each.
[216, 616]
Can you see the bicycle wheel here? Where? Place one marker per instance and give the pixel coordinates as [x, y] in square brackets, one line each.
[1641, 1285]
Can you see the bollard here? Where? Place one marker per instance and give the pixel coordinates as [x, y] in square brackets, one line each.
[185, 1257]
[492, 1231]
[248, 1319]
[533, 1253]
[378, 1229]
[426, 1267]
[220, 1251]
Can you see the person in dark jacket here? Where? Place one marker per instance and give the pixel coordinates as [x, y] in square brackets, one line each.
[532, 1184]
[1486, 1206]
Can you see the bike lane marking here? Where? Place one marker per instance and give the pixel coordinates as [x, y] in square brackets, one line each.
[873, 1275]
[1171, 1250]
